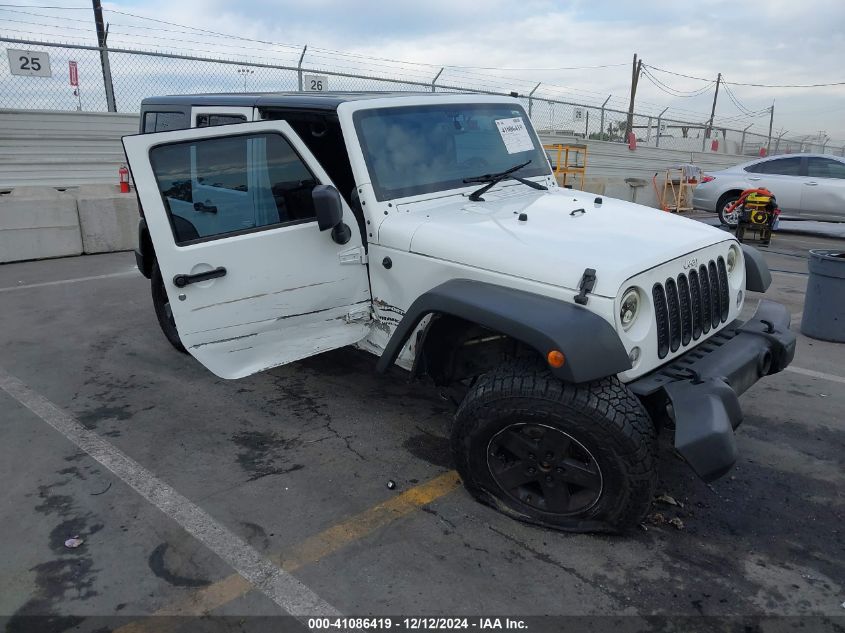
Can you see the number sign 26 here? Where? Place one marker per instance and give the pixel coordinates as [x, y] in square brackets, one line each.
[315, 83]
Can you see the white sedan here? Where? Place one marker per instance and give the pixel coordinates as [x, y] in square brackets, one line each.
[806, 186]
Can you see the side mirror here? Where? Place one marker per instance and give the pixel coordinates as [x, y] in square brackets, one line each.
[328, 207]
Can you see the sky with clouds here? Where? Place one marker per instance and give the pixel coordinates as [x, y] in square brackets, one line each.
[748, 41]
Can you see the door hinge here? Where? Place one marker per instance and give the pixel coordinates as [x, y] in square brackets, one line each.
[358, 315]
[355, 255]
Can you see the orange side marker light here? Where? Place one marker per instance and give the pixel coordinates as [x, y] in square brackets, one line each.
[556, 359]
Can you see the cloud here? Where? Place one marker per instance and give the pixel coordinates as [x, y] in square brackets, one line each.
[755, 41]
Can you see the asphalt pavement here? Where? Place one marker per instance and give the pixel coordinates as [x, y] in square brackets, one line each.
[194, 495]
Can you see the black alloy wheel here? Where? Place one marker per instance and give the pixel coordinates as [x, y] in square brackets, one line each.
[544, 468]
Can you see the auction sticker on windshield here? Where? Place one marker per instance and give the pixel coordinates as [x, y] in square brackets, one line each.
[515, 135]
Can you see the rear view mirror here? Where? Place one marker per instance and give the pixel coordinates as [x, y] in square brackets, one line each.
[328, 207]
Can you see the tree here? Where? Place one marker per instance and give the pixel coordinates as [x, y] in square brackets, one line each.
[615, 132]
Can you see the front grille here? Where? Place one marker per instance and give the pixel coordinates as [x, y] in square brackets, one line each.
[661, 315]
[690, 306]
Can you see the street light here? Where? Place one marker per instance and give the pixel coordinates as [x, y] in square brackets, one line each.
[245, 72]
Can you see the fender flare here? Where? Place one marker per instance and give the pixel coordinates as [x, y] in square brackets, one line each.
[757, 275]
[589, 343]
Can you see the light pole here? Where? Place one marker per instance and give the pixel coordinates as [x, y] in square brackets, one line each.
[245, 72]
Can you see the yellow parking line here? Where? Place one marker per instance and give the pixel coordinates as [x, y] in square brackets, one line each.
[308, 551]
[316, 547]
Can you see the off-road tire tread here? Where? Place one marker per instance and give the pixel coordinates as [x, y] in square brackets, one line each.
[167, 328]
[627, 431]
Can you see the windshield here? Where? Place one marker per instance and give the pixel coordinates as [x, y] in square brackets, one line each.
[419, 149]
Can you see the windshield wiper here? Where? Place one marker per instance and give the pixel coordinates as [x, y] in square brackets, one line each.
[494, 179]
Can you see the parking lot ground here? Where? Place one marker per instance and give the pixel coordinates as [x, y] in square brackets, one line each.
[184, 487]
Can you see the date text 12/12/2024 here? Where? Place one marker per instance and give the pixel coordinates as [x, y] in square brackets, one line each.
[416, 623]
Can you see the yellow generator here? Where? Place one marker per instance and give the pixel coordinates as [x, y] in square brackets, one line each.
[757, 214]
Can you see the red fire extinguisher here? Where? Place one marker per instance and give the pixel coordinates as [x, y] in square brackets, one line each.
[123, 175]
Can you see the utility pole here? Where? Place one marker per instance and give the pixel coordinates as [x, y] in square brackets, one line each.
[771, 120]
[102, 35]
[713, 109]
[635, 77]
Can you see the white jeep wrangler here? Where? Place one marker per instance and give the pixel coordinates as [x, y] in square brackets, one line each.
[429, 230]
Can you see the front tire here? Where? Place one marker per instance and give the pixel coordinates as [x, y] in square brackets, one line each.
[728, 219]
[579, 458]
[161, 303]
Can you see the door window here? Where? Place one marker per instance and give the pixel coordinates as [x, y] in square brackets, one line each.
[778, 166]
[164, 121]
[825, 168]
[216, 187]
[207, 120]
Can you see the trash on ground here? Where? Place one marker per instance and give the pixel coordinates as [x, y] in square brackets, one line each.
[676, 523]
[74, 542]
[664, 498]
[105, 490]
[391, 484]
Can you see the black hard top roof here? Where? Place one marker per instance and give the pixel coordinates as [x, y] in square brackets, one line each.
[304, 100]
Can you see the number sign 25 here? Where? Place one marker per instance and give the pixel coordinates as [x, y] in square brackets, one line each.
[29, 63]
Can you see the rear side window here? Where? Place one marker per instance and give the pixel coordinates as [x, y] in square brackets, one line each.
[216, 187]
[208, 120]
[164, 121]
[778, 166]
[825, 168]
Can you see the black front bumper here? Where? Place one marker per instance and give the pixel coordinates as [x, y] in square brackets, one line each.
[704, 385]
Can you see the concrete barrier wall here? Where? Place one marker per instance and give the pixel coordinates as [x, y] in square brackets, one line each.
[58, 175]
[41, 222]
[38, 223]
[60, 149]
[609, 164]
[615, 160]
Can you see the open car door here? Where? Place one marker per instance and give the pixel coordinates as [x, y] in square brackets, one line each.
[252, 281]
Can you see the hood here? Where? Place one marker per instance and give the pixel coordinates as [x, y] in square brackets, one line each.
[555, 242]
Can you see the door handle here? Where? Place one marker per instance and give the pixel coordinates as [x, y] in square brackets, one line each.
[754, 178]
[180, 281]
[811, 184]
[204, 208]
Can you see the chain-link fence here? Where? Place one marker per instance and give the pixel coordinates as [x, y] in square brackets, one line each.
[137, 74]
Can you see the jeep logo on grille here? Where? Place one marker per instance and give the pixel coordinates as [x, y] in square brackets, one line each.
[691, 263]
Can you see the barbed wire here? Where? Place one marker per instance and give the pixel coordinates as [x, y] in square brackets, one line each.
[142, 67]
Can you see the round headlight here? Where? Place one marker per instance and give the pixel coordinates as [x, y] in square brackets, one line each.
[733, 255]
[629, 307]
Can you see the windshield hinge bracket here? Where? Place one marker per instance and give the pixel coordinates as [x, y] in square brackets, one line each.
[355, 255]
[588, 281]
